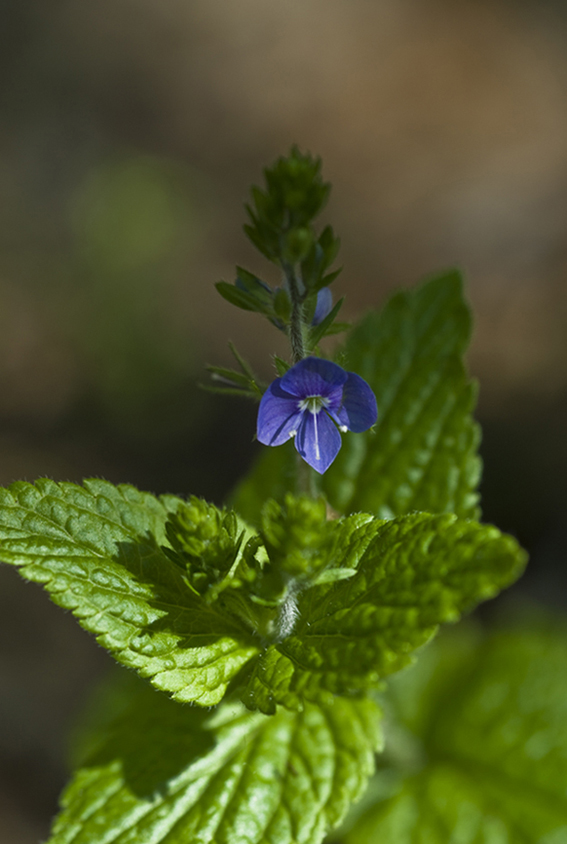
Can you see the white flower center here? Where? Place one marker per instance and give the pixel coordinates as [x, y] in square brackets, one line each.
[313, 403]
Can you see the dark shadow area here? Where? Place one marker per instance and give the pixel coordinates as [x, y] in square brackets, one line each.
[154, 738]
[524, 492]
[186, 614]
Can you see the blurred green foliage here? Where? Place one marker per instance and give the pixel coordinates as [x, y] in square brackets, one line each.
[476, 742]
[135, 218]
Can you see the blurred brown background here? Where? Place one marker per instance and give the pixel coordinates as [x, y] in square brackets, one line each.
[130, 131]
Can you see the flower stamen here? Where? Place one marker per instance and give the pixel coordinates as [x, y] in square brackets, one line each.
[313, 404]
[317, 452]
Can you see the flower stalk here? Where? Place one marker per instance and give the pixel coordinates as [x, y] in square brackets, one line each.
[306, 482]
[296, 324]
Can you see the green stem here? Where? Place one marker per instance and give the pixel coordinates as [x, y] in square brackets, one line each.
[296, 338]
[306, 480]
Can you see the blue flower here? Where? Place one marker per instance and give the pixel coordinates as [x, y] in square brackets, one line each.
[312, 402]
[323, 306]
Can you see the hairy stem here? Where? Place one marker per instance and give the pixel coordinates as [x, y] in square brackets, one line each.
[306, 482]
[295, 285]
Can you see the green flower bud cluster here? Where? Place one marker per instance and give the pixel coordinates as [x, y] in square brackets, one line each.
[282, 228]
[281, 216]
[299, 544]
[254, 577]
[205, 543]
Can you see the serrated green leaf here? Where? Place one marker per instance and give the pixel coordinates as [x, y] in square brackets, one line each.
[421, 455]
[413, 573]
[97, 550]
[168, 774]
[491, 713]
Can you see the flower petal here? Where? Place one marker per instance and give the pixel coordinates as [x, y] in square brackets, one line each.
[340, 416]
[334, 401]
[318, 440]
[359, 404]
[278, 415]
[313, 377]
[323, 306]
